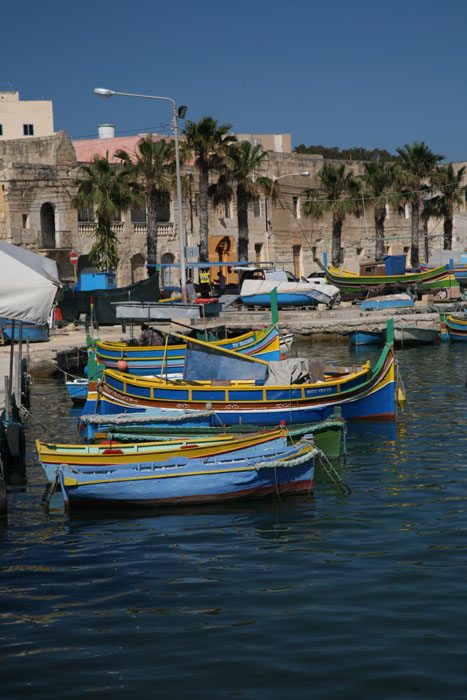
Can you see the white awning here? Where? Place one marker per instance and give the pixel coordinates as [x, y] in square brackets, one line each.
[28, 284]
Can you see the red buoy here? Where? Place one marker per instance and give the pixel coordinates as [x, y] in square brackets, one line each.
[122, 365]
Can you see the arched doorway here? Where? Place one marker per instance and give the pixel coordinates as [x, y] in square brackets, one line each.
[48, 225]
[138, 269]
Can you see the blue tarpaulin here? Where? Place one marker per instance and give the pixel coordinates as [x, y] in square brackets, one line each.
[394, 264]
[203, 361]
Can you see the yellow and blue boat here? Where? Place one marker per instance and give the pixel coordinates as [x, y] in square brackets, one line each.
[365, 392]
[170, 359]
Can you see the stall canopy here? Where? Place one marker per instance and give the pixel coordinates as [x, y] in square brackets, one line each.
[28, 284]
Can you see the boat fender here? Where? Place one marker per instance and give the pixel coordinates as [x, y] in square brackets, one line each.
[15, 441]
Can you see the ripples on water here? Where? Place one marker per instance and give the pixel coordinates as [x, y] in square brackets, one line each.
[336, 596]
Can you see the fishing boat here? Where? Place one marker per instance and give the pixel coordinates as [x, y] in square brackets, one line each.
[259, 396]
[256, 292]
[456, 327]
[328, 435]
[30, 332]
[169, 359]
[51, 455]
[353, 283]
[181, 481]
[405, 336]
[286, 342]
[364, 337]
[77, 389]
[387, 301]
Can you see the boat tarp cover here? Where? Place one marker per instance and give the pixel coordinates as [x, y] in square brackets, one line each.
[72, 304]
[28, 284]
[292, 371]
[213, 363]
[394, 264]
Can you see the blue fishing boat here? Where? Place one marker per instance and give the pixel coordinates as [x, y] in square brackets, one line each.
[388, 301]
[32, 332]
[181, 481]
[363, 337]
[77, 390]
[170, 359]
[257, 292]
[111, 452]
[257, 397]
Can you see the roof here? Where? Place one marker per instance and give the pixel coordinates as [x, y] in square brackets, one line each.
[86, 149]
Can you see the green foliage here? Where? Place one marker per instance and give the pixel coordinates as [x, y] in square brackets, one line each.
[154, 165]
[356, 153]
[107, 188]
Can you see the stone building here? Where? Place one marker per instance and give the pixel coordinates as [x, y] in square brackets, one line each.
[37, 177]
[38, 181]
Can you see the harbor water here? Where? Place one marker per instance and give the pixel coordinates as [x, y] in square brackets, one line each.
[339, 595]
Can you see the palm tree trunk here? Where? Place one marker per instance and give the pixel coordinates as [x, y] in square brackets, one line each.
[414, 248]
[242, 220]
[380, 216]
[425, 239]
[447, 237]
[151, 237]
[337, 220]
[203, 171]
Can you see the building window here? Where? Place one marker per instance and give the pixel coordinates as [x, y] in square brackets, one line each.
[1, 129]
[86, 214]
[259, 252]
[138, 216]
[196, 204]
[359, 251]
[296, 207]
[406, 211]
[28, 129]
[256, 207]
[25, 221]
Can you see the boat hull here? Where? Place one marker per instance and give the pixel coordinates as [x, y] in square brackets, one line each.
[349, 282]
[187, 482]
[456, 328]
[367, 394]
[115, 454]
[30, 332]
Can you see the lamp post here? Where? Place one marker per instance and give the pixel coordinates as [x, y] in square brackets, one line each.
[104, 92]
[303, 173]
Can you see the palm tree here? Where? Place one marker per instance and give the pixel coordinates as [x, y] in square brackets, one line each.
[153, 164]
[452, 195]
[208, 142]
[416, 164]
[107, 188]
[378, 179]
[239, 174]
[338, 194]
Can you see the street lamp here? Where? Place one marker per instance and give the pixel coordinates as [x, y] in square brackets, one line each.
[104, 92]
[303, 173]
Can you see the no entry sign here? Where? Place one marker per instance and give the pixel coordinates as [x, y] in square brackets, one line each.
[74, 257]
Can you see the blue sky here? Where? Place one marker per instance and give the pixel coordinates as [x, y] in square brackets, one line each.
[361, 73]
